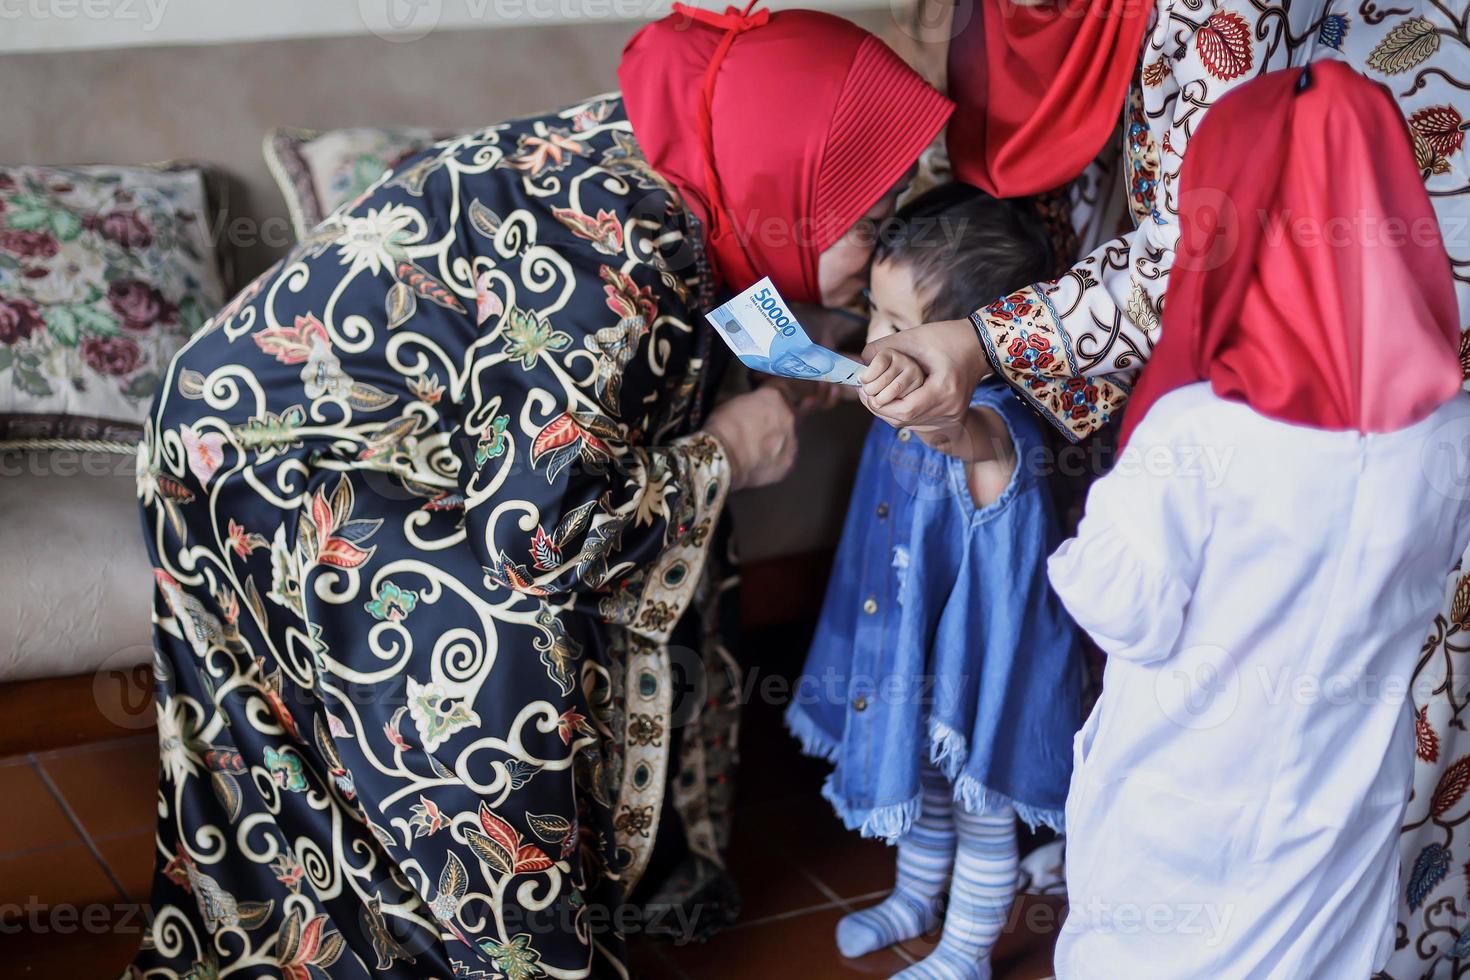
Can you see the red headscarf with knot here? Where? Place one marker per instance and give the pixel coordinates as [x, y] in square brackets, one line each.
[781, 130]
[1310, 280]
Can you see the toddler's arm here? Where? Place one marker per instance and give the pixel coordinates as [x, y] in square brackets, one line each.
[982, 441]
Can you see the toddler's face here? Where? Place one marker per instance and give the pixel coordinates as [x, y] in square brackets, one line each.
[894, 303]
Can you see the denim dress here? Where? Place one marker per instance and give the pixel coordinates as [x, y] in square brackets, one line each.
[941, 637]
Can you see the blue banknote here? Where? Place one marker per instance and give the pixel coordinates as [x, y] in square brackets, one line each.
[760, 328]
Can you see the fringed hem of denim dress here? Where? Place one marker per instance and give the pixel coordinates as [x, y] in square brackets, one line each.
[940, 637]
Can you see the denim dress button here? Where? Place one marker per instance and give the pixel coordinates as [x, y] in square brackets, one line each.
[870, 605]
[860, 703]
[882, 511]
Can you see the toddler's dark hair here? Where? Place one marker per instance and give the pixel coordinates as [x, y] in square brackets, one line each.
[968, 246]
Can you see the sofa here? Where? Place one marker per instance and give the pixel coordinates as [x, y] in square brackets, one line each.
[75, 580]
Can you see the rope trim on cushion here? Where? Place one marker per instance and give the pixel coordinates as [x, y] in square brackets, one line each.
[77, 445]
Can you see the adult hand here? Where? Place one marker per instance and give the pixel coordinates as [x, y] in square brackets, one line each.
[952, 361]
[758, 433]
[806, 397]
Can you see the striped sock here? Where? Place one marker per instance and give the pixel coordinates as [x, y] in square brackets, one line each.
[980, 899]
[925, 855]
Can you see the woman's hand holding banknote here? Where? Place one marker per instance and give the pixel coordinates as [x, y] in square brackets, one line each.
[924, 376]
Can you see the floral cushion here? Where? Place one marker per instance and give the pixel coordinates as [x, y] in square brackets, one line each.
[104, 274]
[318, 171]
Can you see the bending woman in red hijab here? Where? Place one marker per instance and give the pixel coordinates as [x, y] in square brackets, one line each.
[1261, 562]
[433, 503]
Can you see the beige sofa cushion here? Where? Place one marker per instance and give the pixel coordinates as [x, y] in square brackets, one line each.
[75, 582]
[317, 172]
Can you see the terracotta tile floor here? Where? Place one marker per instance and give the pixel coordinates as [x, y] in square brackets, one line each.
[76, 847]
[76, 842]
[799, 870]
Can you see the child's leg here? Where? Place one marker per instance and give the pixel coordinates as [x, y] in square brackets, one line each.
[924, 860]
[980, 898]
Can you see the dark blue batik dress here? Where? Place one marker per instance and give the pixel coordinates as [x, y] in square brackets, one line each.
[429, 506]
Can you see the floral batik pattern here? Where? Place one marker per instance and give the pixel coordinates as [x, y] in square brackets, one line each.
[1072, 347]
[429, 509]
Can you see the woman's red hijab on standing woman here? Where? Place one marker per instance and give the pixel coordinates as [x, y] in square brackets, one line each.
[1310, 281]
[781, 130]
[1040, 88]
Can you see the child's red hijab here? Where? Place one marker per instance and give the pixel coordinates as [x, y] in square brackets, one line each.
[781, 130]
[1310, 280]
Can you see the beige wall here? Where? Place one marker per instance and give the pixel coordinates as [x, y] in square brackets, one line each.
[53, 25]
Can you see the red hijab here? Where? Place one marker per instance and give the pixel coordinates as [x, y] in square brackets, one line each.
[781, 130]
[1310, 280]
[1039, 89]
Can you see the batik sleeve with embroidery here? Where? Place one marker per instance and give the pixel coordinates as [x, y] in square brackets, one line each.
[1072, 347]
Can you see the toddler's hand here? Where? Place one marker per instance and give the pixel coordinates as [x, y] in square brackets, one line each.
[953, 362]
[890, 376]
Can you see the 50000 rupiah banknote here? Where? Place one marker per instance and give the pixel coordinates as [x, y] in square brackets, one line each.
[763, 332]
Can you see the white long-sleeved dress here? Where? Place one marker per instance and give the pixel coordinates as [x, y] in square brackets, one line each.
[1261, 590]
